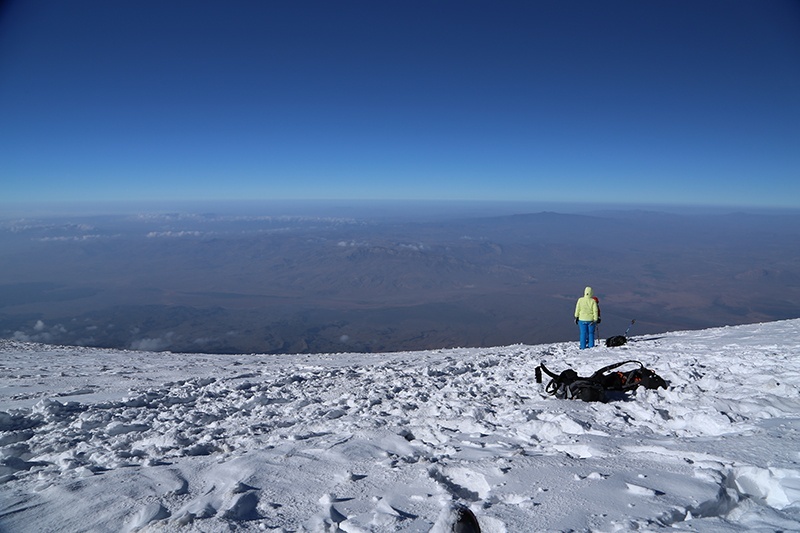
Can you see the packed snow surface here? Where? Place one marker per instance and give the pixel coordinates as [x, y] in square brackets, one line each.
[100, 440]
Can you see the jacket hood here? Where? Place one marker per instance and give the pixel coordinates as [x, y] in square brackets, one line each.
[588, 292]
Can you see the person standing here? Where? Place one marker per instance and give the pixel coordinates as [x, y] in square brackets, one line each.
[587, 314]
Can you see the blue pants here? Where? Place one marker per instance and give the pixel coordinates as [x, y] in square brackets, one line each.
[587, 333]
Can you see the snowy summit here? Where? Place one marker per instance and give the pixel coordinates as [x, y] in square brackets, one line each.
[101, 440]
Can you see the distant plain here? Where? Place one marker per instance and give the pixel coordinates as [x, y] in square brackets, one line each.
[378, 278]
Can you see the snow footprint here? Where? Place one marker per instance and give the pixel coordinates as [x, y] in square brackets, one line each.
[149, 513]
[462, 483]
[238, 503]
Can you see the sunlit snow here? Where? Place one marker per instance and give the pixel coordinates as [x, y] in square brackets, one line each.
[101, 440]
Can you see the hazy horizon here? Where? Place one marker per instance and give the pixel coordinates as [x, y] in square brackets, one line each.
[343, 279]
[378, 208]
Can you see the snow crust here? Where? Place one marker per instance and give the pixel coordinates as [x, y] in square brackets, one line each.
[101, 440]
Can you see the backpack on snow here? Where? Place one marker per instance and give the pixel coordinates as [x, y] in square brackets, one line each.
[596, 388]
[619, 340]
[616, 340]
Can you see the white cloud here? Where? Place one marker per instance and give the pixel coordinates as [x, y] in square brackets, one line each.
[149, 344]
[154, 234]
[73, 238]
[21, 336]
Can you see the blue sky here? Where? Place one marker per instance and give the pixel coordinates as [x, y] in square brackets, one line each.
[679, 102]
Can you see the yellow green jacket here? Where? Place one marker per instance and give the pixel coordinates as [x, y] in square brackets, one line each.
[586, 309]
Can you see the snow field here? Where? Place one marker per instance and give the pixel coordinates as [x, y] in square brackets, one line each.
[129, 441]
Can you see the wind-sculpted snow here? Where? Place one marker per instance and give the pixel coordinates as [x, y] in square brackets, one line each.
[126, 441]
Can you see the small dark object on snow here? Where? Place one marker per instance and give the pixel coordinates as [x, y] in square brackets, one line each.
[465, 521]
[619, 340]
[596, 388]
[616, 340]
